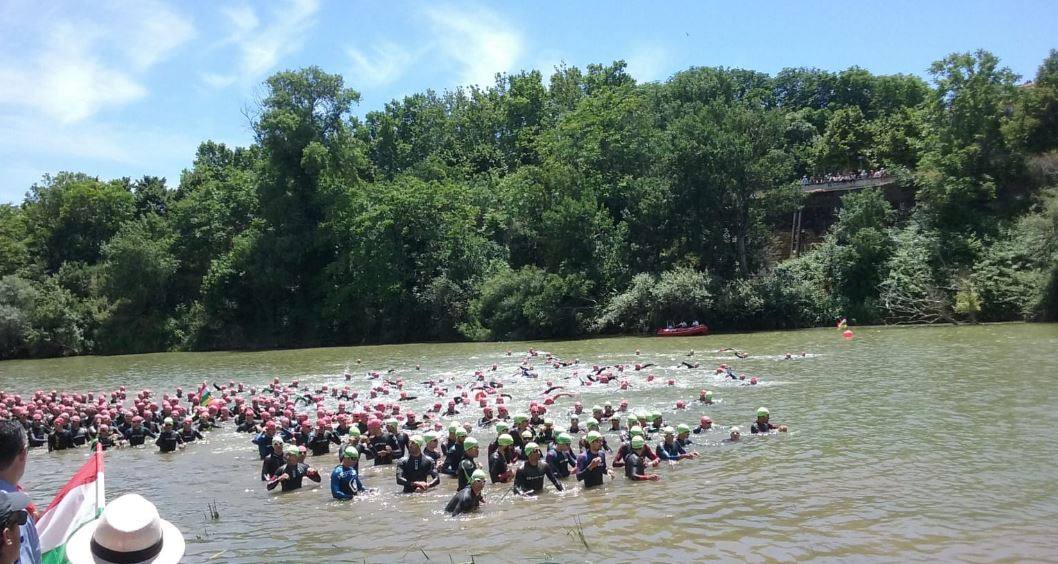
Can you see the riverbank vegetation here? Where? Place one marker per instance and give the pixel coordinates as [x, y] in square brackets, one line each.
[544, 207]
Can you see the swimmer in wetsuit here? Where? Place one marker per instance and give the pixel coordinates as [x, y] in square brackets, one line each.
[671, 450]
[762, 425]
[467, 465]
[636, 461]
[345, 481]
[416, 472]
[293, 473]
[168, 440]
[529, 480]
[469, 498]
[499, 460]
[560, 457]
[591, 464]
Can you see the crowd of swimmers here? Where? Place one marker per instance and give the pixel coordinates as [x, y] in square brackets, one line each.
[526, 449]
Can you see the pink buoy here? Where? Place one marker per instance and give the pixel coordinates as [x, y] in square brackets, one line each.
[847, 334]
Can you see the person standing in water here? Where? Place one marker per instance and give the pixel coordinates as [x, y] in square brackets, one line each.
[762, 425]
[591, 464]
[469, 498]
[293, 473]
[636, 461]
[467, 465]
[560, 457]
[530, 477]
[345, 482]
[499, 468]
[417, 472]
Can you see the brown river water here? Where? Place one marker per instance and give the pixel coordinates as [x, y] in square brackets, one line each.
[905, 444]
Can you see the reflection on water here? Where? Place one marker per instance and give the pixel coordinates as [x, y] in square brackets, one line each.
[905, 444]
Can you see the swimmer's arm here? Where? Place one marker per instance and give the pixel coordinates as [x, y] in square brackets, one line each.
[401, 480]
[554, 479]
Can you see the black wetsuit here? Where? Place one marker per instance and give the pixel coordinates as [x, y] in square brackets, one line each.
[136, 437]
[464, 501]
[635, 466]
[465, 471]
[272, 463]
[561, 462]
[320, 442]
[591, 478]
[759, 427]
[378, 446]
[452, 458]
[529, 479]
[296, 475]
[167, 441]
[38, 436]
[60, 440]
[411, 469]
[545, 438]
[497, 465]
[432, 454]
[79, 436]
[189, 435]
[699, 430]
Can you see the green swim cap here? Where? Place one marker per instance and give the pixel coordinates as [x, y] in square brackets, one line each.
[417, 439]
[638, 442]
[502, 427]
[354, 432]
[636, 431]
[453, 427]
[683, 428]
[593, 424]
[642, 415]
[608, 404]
[167, 421]
[479, 475]
[632, 419]
[351, 452]
[520, 418]
[564, 439]
[505, 439]
[461, 432]
[469, 443]
[595, 408]
[655, 416]
[527, 434]
[549, 421]
[669, 431]
[430, 436]
[593, 436]
[291, 450]
[530, 448]
[709, 393]
[763, 412]
[615, 417]
[391, 421]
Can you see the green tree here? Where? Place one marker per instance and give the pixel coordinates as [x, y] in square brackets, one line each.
[70, 216]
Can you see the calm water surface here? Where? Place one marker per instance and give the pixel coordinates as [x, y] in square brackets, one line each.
[905, 444]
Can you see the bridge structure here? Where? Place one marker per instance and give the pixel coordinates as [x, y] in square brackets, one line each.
[816, 214]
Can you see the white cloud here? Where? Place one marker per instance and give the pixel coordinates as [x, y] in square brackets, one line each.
[30, 148]
[385, 64]
[649, 62]
[68, 66]
[261, 44]
[477, 40]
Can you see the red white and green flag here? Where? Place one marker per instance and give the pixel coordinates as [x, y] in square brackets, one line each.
[80, 501]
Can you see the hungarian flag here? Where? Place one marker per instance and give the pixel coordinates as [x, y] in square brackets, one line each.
[80, 501]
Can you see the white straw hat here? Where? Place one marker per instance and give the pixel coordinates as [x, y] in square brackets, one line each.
[128, 532]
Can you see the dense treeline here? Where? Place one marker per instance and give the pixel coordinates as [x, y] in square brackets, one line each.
[585, 203]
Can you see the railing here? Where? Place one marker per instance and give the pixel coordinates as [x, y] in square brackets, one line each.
[846, 185]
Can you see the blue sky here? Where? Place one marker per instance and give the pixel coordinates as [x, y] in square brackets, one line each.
[130, 88]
